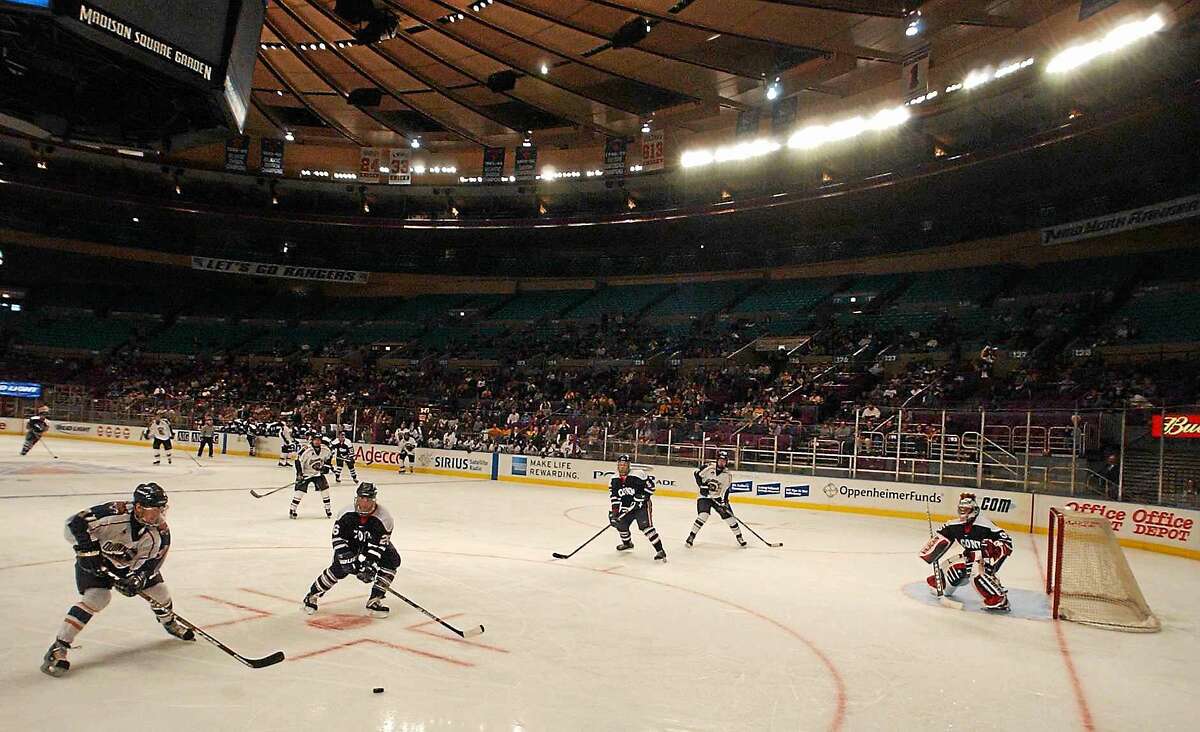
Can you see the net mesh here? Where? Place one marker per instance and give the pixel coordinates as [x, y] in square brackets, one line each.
[1092, 578]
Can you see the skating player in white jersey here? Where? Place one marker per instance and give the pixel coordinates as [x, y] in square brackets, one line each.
[311, 466]
[984, 549]
[407, 442]
[362, 546]
[714, 481]
[160, 433]
[35, 427]
[118, 546]
[288, 449]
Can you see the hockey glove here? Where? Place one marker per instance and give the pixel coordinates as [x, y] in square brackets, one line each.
[89, 559]
[993, 549]
[614, 518]
[348, 562]
[130, 584]
[366, 573]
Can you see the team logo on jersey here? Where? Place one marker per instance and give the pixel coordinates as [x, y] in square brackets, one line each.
[768, 489]
[795, 491]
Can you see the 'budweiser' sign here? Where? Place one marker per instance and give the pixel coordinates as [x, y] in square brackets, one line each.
[1175, 425]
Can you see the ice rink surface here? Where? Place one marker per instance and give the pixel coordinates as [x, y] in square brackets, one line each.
[820, 634]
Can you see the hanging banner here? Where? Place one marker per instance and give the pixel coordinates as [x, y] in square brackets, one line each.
[614, 156]
[1134, 218]
[369, 163]
[399, 167]
[266, 269]
[653, 150]
[493, 164]
[272, 156]
[783, 115]
[914, 74]
[747, 122]
[526, 163]
[237, 153]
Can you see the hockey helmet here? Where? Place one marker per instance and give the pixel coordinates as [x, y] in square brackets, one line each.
[150, 495]
[968, 508]
[149, 503]
[722, 455]
[364, 498]
[623, 461]
[43, 409]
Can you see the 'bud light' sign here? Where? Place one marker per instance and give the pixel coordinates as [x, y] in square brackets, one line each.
[23, 389]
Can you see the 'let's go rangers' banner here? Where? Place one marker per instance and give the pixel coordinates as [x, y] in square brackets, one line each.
[1134, 218]
[286, 271]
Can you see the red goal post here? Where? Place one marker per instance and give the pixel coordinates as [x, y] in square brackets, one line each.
[1088, 579]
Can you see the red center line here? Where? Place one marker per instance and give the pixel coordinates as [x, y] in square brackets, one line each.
[1085, 713]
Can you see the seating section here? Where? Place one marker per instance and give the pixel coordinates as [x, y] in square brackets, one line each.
[193, 337]
[1163, 317]
[81, 331]
[424, 307]
[1076, 276]
[786, 296]
[953, 286]
[537, 305]
[698, 299]
[623, 300]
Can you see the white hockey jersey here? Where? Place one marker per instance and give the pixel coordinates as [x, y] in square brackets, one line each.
[314, 462]
[160, 429]
[714, 484]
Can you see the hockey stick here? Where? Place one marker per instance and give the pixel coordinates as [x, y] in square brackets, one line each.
[468, 633]
[556, 555]
[194, 460]
[773, 545]
[269, 660]
[43, 444]
[254, 491]
[939, 578]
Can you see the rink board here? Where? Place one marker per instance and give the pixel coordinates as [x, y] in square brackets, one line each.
[1152, 528]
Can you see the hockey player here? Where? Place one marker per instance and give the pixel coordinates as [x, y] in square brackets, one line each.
[407, 443]
[343, 454]
[714, 481]
[35, 427]
[118, 546]
[985, 547]
[629, 500]
[311, 466]
[161, 433]
[362, 546]
[287, 448]
[252, 430]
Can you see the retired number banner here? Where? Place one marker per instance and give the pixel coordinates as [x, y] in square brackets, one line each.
[285, 271]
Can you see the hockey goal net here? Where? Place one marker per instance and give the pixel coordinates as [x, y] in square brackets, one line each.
[1089, 580]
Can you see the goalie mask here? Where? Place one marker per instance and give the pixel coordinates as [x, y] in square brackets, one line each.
[968, 508]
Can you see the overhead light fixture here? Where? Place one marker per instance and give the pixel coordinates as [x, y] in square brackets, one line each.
[279, 92]
[1116, 39]
[287, 135]
[545, 69]
[415, 143]
[773, 90]
[914, 24]
[646, 127]
[136, 220]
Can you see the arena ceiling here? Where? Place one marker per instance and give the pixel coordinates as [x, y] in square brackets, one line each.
[571, 83]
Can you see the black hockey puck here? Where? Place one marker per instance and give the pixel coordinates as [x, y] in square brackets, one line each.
[377, 690]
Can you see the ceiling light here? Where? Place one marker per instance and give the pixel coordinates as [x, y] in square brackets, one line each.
[415, 143]
[913, 28]
[279, 92]
[321, 46]
[545, 69]
[646, 127]
[287, 135]
[773, 90]
[136, 220]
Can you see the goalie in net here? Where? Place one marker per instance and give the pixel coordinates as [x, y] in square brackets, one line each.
[985, 547]
[1088, 579]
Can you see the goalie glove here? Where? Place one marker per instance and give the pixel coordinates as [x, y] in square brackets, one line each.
[934, 548]
[995, 549]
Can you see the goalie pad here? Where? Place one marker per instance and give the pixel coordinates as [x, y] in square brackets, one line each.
[993, 593]
[956, 576]
[934, 548]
